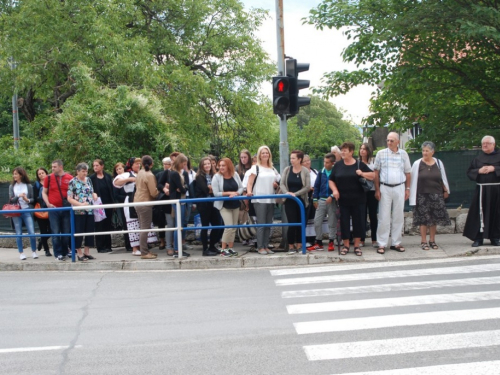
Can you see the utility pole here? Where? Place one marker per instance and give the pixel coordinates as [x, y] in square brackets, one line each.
[15, 108]
[280, 39]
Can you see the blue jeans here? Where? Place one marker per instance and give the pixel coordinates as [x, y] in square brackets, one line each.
[60, 223]
[18, 225]
[183, 224]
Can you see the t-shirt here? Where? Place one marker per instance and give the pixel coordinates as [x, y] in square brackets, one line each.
[429, 179]
[350, 190]
[263, 182]
[82, 192]
[53, 193]
[230, 185]
[294, 182]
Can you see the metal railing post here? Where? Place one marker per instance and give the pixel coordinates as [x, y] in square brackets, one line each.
[72, 239]
[178, 220]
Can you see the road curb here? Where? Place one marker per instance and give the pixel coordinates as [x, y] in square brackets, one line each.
[205, 263]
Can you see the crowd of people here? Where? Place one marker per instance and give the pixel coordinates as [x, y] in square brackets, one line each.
[344, 193]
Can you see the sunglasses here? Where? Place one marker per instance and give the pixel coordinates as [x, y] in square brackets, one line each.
[390, 140]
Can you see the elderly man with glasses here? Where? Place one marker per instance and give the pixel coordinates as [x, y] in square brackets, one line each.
[483, 220]
[392, 188]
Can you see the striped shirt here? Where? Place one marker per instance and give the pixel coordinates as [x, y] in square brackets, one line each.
[392, 166]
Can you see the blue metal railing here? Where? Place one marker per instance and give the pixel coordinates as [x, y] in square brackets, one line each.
[31, 210]
[178, 228]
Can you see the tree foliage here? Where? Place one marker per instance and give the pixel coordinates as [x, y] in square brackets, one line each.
[198, 63]
[436, 62]
[318, 127]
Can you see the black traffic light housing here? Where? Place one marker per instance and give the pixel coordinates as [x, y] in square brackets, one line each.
[281, 95]
[292, 71]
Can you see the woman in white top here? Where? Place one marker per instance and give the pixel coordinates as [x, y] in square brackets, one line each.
[21, 192]
[126, 181]
[263, 180]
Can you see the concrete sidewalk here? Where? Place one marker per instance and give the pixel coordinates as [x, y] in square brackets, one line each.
[450, 245]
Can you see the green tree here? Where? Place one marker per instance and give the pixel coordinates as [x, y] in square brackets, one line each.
[111, 124]
[199, 58]
[318, 127]
[437, 63]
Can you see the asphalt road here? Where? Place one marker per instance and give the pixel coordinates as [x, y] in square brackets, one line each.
[372, 318]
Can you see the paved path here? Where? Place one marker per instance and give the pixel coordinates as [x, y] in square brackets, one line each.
[451, 245]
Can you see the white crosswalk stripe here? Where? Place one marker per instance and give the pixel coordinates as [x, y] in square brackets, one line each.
[391, 287]
[366, 266]
[392, 302]
[435, 317]
[402, 346]
[388, 275]
[476, 368]
[469, 297]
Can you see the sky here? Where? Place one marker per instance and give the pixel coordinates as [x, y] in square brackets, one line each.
[321, 49]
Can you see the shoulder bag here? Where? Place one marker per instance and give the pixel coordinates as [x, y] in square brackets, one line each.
[367, 185]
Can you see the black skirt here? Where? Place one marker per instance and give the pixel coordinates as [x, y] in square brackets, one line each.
[430, 210]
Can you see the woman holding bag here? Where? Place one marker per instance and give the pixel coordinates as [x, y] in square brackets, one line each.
[296, 181]
[81, 193]
[227, 183]
[263, 180]
[347, 190]
[209, 215]
[21, 192]
[43, 222]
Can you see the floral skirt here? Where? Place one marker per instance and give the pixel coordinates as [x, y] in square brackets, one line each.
[430, 210]
[133, 224]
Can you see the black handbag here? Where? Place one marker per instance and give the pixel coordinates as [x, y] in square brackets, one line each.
[367, 185]
[65, 202]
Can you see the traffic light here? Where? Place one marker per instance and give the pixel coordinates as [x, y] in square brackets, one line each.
[292, 71]
[281, 95]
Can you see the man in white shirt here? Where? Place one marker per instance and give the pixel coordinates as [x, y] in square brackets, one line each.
[392, 188]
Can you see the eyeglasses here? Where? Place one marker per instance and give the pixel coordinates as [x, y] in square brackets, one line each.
[390, 140]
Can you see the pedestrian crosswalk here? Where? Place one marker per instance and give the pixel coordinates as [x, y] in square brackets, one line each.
[394, 317]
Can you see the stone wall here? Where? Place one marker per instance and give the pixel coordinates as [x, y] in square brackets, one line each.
[457, 218]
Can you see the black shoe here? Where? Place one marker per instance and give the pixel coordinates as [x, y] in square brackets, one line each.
[495, 242]
[105, 251]
[214, 250]
[48, 254]
[477, 243]
[208, 253]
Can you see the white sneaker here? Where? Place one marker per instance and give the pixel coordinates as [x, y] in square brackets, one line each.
[33, 254]
[136, 253]
[22, 256]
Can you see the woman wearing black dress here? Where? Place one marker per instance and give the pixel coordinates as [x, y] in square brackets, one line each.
[347, 190]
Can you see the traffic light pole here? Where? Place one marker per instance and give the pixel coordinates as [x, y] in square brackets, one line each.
[280, 39]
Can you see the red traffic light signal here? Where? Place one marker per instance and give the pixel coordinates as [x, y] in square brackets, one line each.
[281, 95]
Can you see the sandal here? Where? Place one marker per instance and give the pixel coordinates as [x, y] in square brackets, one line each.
[88, 256]
[81, 259]
[433, 245]
[398, 248]
[424, 246]
[357, 251]
[381, 250]
[344, 250]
